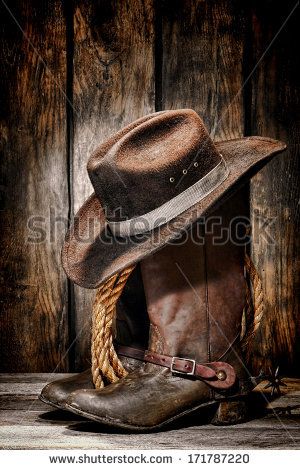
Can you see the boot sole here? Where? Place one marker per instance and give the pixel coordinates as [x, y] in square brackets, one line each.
[221, 417]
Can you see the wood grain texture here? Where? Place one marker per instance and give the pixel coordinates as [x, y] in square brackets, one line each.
[33, 183]
[275, 190]
[27, 423]
[113, 85]
[202, 62]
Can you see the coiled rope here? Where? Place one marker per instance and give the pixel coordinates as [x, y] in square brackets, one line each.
[254, 308]
[106, 365]
[105, 362]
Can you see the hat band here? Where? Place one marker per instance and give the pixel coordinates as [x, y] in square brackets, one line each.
[175, 206]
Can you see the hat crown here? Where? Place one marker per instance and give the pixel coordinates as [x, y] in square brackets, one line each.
[150, 162]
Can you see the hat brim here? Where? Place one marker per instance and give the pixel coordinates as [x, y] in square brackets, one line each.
[91, 255]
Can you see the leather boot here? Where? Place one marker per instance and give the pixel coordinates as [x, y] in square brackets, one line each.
[195, 297]
[132, 329]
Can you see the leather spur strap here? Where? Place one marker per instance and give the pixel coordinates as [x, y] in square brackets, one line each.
[219, 375]
[128, 351]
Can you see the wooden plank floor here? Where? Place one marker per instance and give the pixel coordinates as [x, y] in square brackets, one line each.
[27, 423]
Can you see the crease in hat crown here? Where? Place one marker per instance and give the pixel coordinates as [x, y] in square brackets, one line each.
[167, 163]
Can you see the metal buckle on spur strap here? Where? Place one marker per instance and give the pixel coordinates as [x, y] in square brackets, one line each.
[174, 370]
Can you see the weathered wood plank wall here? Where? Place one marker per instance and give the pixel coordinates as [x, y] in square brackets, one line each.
[34, 183]
[102, 64]
[202, 44]
[275, 190]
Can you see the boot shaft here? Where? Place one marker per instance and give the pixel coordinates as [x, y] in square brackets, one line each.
[195, 291]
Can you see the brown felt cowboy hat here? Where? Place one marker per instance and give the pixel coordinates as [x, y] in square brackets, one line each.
[152, 180]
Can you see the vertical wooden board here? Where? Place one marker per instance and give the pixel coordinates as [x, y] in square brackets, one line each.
[202, 62]
[113, 85]
[202, 69]
[275, 190]
[33, 183]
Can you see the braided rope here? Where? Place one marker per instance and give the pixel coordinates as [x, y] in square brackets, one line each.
[105, 362]
[254, 309]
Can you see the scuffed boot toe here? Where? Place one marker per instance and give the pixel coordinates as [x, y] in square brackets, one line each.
[54, 394]
[100, 406]
[57, 392]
